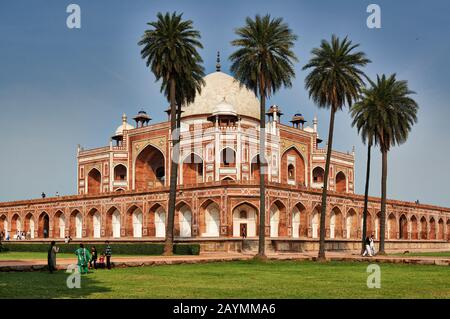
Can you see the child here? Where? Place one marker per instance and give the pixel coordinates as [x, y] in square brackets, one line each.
[101, 262]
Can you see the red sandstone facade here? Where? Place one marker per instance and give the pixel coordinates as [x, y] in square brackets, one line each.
[123, 189]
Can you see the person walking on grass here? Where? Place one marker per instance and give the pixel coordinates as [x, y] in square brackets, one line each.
[368, 251]
[108, 253]
[51, 257]
[93, 260]
[83, 259]
[372, 245]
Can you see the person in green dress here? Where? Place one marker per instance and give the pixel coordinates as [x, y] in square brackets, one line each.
[83, 259]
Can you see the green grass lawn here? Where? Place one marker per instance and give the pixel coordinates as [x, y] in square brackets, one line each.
[425, 254]
[242, 279]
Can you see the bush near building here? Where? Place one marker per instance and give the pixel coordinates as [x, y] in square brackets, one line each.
[117, 249]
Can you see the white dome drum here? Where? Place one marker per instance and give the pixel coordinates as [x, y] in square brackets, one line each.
[223, 91]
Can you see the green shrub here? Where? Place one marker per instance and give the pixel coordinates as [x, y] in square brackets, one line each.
[117, 248]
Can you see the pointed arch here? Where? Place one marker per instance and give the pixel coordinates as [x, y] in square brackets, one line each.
[341, 182]
[255, 165]
[209, 219]
[3, 224]
[120, 173]
[113, 222]
[93, 229]
[228, 157]
[278, 219]
[43, 225]
[76, 224]
[351, 224]
[59, 224]
[423, 228]
[245, 220]
[441, 229]
[299, 221]
[30, 225]
[403, 227]
[392, 226]
[414, 227]
[192, 169]
[318, 176]
[16, 224]
[432, 233]
[134, 222]
[94, 181]
[183, 220]
[293, 167]
[149, 169]
[336, 223]
[315, 221]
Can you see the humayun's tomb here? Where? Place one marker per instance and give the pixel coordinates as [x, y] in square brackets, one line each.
[123, 187]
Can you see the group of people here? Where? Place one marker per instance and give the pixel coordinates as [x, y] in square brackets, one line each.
[20, 235]
[369, 243]
[86, 259]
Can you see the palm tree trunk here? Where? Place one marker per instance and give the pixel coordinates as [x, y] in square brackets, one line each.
[321, 256]
[262, 173]
[366, 200]
[383, 200]
[168, 245]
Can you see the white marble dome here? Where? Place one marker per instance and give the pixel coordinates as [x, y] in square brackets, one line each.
[220, 86]
[124, 126]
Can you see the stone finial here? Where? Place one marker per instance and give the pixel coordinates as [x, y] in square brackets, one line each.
[218, 66]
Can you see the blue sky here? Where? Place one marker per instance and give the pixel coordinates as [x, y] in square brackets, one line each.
[62, 87]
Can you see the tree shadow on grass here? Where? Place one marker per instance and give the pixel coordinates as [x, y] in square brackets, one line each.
[43, 285]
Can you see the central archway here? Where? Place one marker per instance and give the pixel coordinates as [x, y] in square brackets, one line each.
[149, 169]
[245, 220]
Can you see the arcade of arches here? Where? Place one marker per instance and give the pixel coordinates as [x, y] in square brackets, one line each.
[300, 220]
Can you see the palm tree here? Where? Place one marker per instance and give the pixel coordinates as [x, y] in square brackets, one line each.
[363, 119]
[393, 113]
[263, 63]
[335, 80]
[170, 50]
